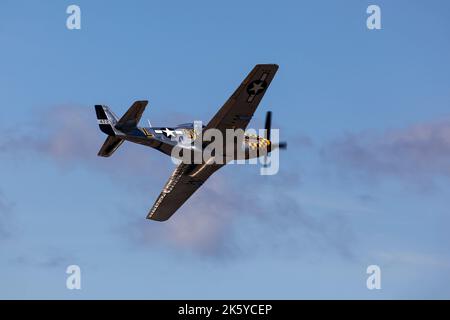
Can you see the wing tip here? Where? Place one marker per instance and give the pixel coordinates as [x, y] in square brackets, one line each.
[102, 155]
[274, 65]
[157, 218]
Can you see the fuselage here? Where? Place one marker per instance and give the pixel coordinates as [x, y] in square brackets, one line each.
[187, 139]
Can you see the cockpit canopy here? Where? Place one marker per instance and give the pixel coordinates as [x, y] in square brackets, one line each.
[187, 126]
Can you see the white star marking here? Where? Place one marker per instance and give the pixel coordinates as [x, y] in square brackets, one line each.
[168, 133]
[256, 88]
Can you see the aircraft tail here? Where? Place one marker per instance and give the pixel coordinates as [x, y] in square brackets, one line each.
[107, 120]
[115, 128]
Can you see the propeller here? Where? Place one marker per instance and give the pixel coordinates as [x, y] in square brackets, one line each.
[268, 124]
[268, 127]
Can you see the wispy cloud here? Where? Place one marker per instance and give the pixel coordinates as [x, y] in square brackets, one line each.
[202, 226]
[416, 154]
[6, 224]
[69, 135]
[232, 213]
[234, 216]
[44, 258]
[414, 259]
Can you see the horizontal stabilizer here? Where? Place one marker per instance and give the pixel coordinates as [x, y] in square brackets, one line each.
[109, 146]
[132, 117]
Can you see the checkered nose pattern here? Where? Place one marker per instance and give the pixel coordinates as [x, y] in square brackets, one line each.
[254, 142]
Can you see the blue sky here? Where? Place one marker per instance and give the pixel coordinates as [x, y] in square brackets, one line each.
[365, 179]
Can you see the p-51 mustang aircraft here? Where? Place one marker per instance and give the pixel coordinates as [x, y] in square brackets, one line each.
[236, 113]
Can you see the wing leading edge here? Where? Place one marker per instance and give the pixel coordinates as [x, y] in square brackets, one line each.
[183, 182]
[237, 112]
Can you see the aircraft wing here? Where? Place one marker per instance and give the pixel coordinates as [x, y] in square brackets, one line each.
[184, 181]
[237, 112]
